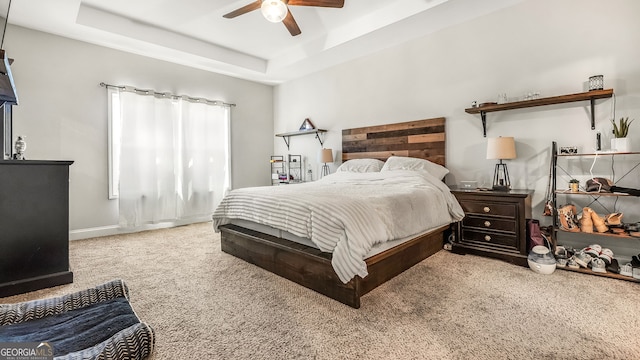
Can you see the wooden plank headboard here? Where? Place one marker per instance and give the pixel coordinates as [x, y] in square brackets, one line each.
[424, 139]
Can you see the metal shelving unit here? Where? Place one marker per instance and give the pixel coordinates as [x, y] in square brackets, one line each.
[594, 197]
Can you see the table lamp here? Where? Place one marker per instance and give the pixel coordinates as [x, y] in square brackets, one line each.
[501, 148]
[326, 156]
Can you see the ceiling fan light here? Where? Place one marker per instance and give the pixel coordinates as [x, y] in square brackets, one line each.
[274, 10]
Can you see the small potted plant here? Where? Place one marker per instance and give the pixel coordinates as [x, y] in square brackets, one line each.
[620, 142]
[574, 185]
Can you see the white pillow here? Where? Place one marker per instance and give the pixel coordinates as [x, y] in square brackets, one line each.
[407, 163]
[361, 165]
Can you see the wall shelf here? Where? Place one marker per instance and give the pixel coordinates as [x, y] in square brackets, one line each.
[584, 96]
[287, 136]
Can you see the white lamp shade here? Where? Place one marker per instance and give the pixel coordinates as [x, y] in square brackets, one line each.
[501, 148]
[326, 156]
[274, 10]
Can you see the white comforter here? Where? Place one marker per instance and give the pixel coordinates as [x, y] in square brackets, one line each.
[347, 213]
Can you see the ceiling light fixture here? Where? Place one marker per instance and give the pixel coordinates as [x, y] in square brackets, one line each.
[274, 10]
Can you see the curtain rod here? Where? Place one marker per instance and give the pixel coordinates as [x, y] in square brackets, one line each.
[166, 94]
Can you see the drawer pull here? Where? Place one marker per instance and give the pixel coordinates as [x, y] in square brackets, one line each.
[487, 223]
[487, 209]
[487, 238]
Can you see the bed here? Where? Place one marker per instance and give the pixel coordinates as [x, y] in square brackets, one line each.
[315, 233]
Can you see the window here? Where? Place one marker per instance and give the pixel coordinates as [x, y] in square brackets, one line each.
[168, 156]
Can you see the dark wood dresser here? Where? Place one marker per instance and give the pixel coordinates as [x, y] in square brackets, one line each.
[494, 224]
[34, 223]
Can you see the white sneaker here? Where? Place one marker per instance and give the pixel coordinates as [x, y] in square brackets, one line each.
[598, 265]
[636, 273]
[626, 270]
[583, 259]
[571, 263]
[593, 250]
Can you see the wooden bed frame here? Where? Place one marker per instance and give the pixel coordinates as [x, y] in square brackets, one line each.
[311, 267]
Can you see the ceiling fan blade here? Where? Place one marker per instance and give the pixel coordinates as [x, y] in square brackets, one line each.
[291, 24]
[243, 10]
[319, 3]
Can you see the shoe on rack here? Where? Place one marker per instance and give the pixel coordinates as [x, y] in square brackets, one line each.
[567, 215]
[606, 255]
[627, 270]
[617, 230]
[562, 262]
[613, 219]
[613, 267]
[583, 259]
[635, 261]
[598, 265]
[560, 252]
[571, 263]
[586, 224]
[593, 250]
[636, 273]
[598, 222]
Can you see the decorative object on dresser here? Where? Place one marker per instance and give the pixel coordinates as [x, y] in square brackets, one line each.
[501, 148]
[326, 156]
[494, 224]
[21, 147]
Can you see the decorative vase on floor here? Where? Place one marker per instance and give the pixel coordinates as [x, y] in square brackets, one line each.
[621, 144]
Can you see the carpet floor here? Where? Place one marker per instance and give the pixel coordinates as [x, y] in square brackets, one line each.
[205, 304]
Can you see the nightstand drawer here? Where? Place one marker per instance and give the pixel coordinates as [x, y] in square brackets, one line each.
[489, 208]
[487, 238]
[490, 223]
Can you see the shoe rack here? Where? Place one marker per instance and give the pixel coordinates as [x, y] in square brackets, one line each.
[604, 203]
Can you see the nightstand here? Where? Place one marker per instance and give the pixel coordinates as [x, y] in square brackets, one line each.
[494, 224]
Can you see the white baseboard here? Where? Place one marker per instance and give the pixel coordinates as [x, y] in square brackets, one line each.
[80, 234]
[94, 232]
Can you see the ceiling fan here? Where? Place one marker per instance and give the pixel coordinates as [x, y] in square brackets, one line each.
[278, 10]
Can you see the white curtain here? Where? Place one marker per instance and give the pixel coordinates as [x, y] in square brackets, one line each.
[174, 158]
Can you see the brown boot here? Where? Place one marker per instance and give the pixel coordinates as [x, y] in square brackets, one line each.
[586, 224]
[598, 222]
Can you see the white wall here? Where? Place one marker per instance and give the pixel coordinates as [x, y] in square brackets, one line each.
[548, 46]
[62, 112]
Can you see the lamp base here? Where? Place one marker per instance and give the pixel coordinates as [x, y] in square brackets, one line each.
[325, 170]
[501, 178]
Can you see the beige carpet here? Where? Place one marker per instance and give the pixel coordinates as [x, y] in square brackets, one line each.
[204, 304]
